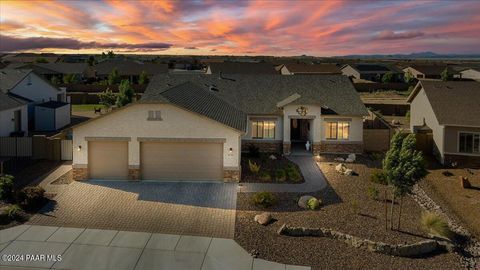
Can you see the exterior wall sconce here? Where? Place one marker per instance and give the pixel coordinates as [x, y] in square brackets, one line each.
[230, 150]
[79, 148]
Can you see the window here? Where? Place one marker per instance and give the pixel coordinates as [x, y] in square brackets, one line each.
[469, 143]
[154, 116]
[263, 129]
[338, 130]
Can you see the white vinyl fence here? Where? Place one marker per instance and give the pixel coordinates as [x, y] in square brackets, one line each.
[66, 150]
[37, 147]
[16, 146]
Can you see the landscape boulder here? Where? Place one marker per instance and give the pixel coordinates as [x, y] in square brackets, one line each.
[272, 157]
[351, 158]
[302, 202]
[339, 159]
[264, 218]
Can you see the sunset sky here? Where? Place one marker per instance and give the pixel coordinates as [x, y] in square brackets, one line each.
[320, 28]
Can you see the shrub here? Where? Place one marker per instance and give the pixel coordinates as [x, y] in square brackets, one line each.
[265, 176]
[313, 204]
[281, 175]
[355, 207]
[379, 177]
[435, 225]
[253, 150]
[6, 187]
[254, 167]
[373, 192]
[32, 198]
[294, 174]
[264, 199]
[13, 211]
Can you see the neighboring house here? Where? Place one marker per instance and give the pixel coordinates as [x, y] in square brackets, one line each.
[371, 72]
[427, 71]
[128, 69]
[471, 73]
[50, 70]
[194, 127]
[36, 91]
[450, 111]
[30, 57]
[308, 69]
[13, 116]
[240, 68]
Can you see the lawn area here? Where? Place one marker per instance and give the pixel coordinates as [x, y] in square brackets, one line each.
[461, 203]
[86, 107]
[348, 208]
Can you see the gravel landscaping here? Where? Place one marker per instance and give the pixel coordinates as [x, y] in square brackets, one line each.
[269, 170]
[348, 208]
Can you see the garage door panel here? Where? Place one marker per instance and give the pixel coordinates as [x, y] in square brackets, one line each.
[108, 160]
[181, 161]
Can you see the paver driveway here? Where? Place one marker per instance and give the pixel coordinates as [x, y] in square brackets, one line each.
[205, 209]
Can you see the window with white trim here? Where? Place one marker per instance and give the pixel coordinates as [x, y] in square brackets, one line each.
[469, 143]
[338, 131]
[154, 116]
[263, 129]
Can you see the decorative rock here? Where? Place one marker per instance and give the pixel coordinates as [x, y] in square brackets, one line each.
[263, 218]
[351, 158]
[302, 202]
[272, 157]
[339, 159]
[348, 172]
[340, 168]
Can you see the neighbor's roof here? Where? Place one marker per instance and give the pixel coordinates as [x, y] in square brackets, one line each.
[9, 78]
[52, 104]
[432, 70]
[455, 103]
[129, 67]
[366, 68]
[314, 69]
[259, 94]
[65, 68]
[8, 101]
[242, 68]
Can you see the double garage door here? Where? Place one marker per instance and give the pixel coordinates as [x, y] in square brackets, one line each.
[158, 160]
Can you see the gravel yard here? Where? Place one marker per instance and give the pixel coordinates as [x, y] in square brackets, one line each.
[347, 208]
[269, 167]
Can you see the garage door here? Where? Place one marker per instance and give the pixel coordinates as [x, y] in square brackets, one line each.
[108, 160]
[181, 161]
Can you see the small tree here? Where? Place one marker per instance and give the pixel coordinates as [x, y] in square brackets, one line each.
[110, 54]
[113, 77]
[91, 60]
[408, 77]
[387, 77]
[445, 75]
[404, 167]
[107, 98]
[55, 80]
[69, 78]
[125, 93]
[41, 60]
[143, 78]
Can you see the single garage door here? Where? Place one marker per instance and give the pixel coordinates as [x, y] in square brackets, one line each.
[181, 161]
[108, 160]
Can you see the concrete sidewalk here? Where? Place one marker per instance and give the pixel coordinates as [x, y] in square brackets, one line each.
[108, 249]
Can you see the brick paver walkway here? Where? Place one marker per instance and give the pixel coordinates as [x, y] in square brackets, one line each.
[205, 209]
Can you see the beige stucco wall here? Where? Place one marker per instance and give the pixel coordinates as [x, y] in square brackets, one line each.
[415, 73]
[7, 125]
[471, 74]
[356, 127]
[421, 109]
[452, 136]
[350, 72]
[177, 123]
[313, 112]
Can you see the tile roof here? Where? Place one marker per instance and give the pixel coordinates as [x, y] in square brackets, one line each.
[9, 78]
[259, 94]
[242, 68]
[315, 69]
[453, 102]
[367, 68]
[432, 70]
[128, 67]
[52, 104]
[8, 101]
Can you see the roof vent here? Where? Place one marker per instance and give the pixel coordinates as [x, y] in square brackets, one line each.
[213, 88]
[449, 87]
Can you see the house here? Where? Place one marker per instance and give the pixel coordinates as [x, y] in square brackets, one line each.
[13, 116]
[128, 69]
[427, 71]
[371, 72]
[471, 73]
[35, 91]
[240, 68]
[50, 70]
[194, 127]
[308, 69]
[450, 112]
[30, 57]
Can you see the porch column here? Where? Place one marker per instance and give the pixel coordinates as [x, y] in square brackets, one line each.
[286, 135]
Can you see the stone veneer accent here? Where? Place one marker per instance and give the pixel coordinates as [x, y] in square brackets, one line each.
[134, 173]
[80, 174]
[344, 148]
[287, 148]
[316, 148]
[462, 160]
[231, 175]
[263, 146]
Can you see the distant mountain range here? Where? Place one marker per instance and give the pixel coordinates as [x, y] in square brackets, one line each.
[418, 55]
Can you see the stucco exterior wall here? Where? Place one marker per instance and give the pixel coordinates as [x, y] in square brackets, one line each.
[471, 74]
[36, 89]
[284, 71]
[62, 116]
[356, 128]
[350, 72]
[313, 113]
[7, 125]
[452, 138]
[415, 73]
[421, 109]
[177, 123]
[44, 119]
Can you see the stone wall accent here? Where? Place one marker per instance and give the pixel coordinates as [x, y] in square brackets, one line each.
[340, 148]
[263, 146]
[134, 174]
[80, 174]
[316, 148]
[463, 161]
[402, 250]
[231, 175]
[287, 148]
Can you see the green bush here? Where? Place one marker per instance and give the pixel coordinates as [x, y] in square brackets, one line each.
[32, 198]
[254, 167]
[293, 174]
[265, 176]
[379, 177]
[6, 187]
[313, 204]
[263, 199]
[281, 175]
[373, 192]
[435, 225]
[13, 211]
